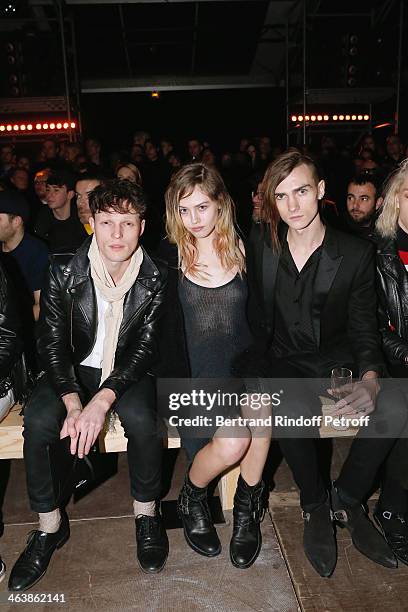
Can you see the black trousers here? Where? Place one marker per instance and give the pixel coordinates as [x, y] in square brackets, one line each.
[43, 419]
[367, 452]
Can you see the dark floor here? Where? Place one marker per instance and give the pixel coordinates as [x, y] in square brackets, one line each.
[96, 569]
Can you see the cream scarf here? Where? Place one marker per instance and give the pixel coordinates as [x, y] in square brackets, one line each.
[115, 295]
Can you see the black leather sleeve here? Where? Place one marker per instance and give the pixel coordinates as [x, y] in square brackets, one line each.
[53, 342]
[143, 349]
[362, 316]
[394, 347]
[11, 342]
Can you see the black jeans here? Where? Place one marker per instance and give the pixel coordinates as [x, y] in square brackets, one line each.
[366, 454]
[43, 419]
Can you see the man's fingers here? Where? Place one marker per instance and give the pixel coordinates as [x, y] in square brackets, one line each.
[74, 442]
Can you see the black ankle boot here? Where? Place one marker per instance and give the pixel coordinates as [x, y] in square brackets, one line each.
[199, 530]
[319, 542]
[246, 538]
[395, 530]
[365, 537]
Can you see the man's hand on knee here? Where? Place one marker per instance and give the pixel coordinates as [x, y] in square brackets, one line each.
[90, 422]
[73, 405]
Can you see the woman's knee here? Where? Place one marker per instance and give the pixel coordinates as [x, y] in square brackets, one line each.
[231, 450]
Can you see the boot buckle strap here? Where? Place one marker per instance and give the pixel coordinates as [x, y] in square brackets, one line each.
[305, 515]
[341, 515]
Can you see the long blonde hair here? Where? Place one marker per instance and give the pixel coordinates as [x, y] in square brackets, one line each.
[226, 240]
[387, 222]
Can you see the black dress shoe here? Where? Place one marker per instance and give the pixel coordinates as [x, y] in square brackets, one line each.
[33, 562]
[394, 528]
[199, 530]
[246, 538]
[365, 537]
[152, 543]
[319, 542]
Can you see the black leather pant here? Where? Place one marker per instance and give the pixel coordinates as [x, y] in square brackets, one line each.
[43, 419]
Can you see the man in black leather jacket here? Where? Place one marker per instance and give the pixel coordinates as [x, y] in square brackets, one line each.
[97, 340]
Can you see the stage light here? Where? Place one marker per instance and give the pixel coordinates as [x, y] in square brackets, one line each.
[59, 126]
[52, 126]
[15, 127]
[307, 118]
[9, 128]
[38, 126]
[360, 117]
[326, 117]
[294, 118]
[319, 118]
[300, 118]
[335, 117]
[45, 126]
[341, 117]
[65, 126]
[73, 125]
[366, 117]
[2, 128]
[23, 127]
[29, 127]
[347, 117]
[155, 94]
[353, 117]
[313, 118]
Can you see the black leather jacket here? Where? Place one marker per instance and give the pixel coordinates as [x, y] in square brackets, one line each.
[68, 322]
[11, 341]
[393, 301]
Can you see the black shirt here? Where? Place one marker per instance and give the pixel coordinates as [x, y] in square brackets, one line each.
[61, 236]
[215, 325]
[293, 329]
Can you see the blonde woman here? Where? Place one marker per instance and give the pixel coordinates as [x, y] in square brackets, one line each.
[204, 330]
[391, 512]
[129, 172]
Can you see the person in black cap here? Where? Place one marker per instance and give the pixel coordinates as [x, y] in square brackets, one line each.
[61, 229]
[25, 257]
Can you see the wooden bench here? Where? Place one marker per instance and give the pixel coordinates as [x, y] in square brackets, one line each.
[11, 446]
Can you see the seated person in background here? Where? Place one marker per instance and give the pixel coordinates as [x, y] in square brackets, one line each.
[29, 253]
[59, 225]
[97, 341]
[363, 201]
[83, 187]
[130, 172]
[392, 263]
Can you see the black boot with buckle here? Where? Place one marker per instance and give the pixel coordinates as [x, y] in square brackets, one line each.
[248, 512]
[394, 528]
[365, 537]
[199, 530]
[319, 542]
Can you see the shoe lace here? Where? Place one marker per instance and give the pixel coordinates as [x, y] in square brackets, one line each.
[147, 527]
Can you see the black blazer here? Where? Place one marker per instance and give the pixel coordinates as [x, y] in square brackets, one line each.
[68, 322]
[11, 335]
[344, 306]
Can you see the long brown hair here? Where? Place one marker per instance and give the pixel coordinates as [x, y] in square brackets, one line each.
[226, 241]
[276, 172]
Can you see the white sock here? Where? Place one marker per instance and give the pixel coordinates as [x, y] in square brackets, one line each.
[146, 508]
[50, 521]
